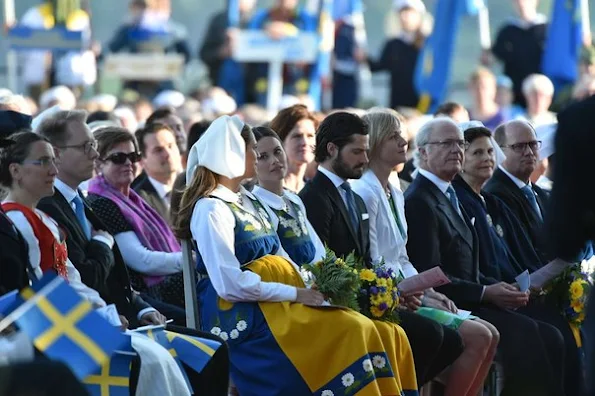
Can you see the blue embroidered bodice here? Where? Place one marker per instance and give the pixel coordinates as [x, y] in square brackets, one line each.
[294, 235]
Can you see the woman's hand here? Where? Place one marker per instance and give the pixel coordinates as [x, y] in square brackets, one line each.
[413, 301]
[309, 297]
[440, 301]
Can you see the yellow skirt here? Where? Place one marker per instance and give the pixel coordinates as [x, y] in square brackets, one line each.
[336, 349]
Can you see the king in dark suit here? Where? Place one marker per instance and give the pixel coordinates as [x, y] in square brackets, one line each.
[441, 233]
[340, 218]
[511, 183]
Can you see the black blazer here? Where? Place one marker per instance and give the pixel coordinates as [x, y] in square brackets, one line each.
[101, 268]
[504, 188]
[13, 257]
[143, 186]
[330, 218]
[438, 236]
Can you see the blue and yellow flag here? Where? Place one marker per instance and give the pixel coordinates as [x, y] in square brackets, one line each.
[563, 42]
[113, 378]
[432, 72]
[65, 327]
[321, 70]
[231, 74]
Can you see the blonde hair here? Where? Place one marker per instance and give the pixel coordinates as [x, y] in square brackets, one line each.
[203, 183]
[481, 72]
[382, 123]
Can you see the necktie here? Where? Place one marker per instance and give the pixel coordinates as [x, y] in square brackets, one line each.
[350, 198]
[528, 191]
[79, 211]
[452, 196]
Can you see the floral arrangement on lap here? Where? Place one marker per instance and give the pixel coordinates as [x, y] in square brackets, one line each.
[334, 277]
[378, 293]
[371, 291]
[570, 291]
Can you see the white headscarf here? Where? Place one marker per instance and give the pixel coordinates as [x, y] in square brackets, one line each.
[498, 153]
[221, 149]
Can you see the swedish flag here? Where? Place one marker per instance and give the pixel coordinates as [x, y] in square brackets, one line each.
[433, 65]
[563, 43]
[113, 378]
[65, 327]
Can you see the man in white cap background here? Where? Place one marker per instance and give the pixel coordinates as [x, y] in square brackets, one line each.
[399, 55]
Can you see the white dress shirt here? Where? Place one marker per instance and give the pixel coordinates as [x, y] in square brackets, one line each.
[438, 182]
[272, 200]
[212, 226]
[163, 190]
[70, 194]
[337, 181]
[386, 241]
[519, 183]
[74, 277]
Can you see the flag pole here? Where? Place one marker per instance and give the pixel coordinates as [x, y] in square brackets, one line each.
[11, 55]
[483, 18]
[586, 23]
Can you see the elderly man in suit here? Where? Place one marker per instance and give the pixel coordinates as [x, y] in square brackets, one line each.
[161, 162]
[571, 220]
[511, 182]
[340, 219]
[441, 233]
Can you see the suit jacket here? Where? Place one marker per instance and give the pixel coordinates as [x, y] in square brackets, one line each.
[504, 188]
[438, 236]
[101, 268]
[386, 240]
[143, 186]
[330, 218]
[13, 257]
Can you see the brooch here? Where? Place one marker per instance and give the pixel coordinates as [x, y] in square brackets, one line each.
[489, 220]
[499, 231]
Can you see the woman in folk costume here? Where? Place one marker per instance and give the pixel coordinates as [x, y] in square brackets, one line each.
[257, 301]
[70, 68]
[286, 210]
[388, 238]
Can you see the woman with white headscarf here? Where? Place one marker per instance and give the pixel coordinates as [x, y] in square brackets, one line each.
[504, 249]
[256, 300]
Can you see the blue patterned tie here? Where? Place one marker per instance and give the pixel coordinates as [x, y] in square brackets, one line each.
[528, 191]
[79, 210]
[351, 205]
[452, 196]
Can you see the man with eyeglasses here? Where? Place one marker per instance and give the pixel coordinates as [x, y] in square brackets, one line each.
[511, 182]
[441, 234]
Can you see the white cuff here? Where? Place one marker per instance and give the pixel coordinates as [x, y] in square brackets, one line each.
[103, 239]
[145, 311]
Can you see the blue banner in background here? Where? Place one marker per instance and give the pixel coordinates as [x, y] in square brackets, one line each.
[563, 43]
[432, 72]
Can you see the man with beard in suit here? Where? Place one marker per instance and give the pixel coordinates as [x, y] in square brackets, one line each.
[340, 218]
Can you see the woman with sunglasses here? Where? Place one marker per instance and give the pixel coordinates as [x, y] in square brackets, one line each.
[27, 171]
[148, 245]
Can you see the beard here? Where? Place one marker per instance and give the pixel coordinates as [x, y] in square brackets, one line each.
[344, 171]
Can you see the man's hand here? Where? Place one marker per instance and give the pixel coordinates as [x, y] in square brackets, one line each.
[102, 233]
[153, 318]
[124, 323]
[413, 301]
[504, 295]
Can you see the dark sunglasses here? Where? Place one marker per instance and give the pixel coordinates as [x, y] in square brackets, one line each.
[120, 158]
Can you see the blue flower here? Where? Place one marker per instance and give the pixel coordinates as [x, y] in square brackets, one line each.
[383, 306]
[374, 290]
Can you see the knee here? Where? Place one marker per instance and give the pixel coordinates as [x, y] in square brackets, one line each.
[479, 339]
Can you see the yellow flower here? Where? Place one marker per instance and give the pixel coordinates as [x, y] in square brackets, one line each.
[576, 289]
[581, 317]
[577, 306]
[381, 282]
[367, 275]
[340, 262]
[376, 312]
[376, 300]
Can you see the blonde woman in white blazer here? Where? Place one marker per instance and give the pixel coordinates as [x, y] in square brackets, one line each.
[388, 238]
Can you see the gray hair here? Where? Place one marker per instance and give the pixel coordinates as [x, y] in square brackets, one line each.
[54, 127]
[537, 83]
[425, 133]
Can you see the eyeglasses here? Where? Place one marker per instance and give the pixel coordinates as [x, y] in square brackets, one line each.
[521, 147]
[42, 162]
[120, 158]
[446, 144]
[86, 147]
